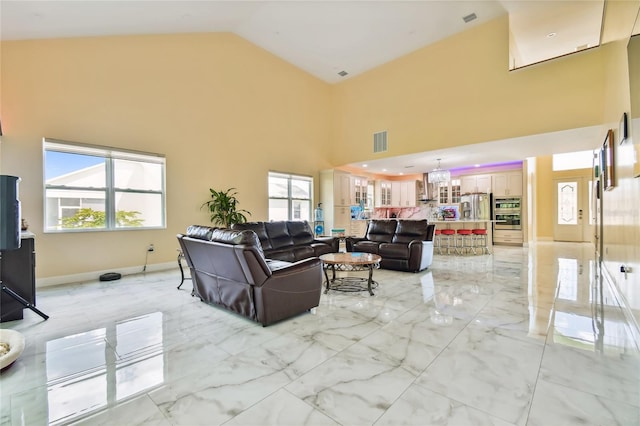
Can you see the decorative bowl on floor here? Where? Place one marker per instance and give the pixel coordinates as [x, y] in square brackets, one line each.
[15, 342]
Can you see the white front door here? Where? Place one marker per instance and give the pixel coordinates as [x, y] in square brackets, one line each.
[572, 210]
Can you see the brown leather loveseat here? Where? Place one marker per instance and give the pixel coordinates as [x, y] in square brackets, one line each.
[289, 240]
[404, 245]
[228, 269]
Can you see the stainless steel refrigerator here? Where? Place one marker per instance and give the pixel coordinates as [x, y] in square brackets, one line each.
[475, 207]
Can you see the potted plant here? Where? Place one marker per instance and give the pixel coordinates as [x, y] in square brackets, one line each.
[223, 208]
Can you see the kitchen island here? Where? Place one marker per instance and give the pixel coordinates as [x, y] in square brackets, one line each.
[467, 224]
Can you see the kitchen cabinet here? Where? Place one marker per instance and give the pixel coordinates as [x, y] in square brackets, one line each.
[475, 183]
[408, 193]
[507, 237]
[359, 187]
[342, 189]
[335, 196]
[509, 183]
[382, 193]
[396, 190]
[341, 219]
[335, 188]
[396, 193]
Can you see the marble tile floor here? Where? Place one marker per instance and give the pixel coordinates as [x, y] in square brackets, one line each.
[526, 336]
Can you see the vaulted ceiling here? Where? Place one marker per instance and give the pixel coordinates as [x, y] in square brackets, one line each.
[336, 40]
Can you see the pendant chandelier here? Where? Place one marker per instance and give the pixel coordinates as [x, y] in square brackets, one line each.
[439, 175]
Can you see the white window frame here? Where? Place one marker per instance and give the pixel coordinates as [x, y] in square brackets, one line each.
[109, 190]
[290, 199]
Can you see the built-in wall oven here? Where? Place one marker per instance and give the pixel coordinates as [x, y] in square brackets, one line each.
[507, 212]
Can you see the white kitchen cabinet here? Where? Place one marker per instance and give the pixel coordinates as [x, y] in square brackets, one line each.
[508, 237]
[396, 193]
[509, 183]
[341, 219]
[382, 193]
[359, 187]
[342, 190]
[475, 183]
[335, 188]
[396, 190]
[408, 193]
[335, 196]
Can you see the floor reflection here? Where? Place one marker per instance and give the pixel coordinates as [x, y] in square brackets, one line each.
[91, 370]
[525, 336]
[584, 314]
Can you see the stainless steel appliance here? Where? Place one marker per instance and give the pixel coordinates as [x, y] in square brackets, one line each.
[475, 207]
[507, 212]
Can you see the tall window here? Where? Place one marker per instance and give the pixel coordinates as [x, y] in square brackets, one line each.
[100, 188]
[573, 160]
[289, 197]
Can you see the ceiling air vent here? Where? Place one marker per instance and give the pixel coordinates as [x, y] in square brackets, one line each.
[380, 141]
[470, 17]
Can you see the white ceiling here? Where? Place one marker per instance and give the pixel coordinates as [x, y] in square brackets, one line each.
[326, 37]
[320, 37]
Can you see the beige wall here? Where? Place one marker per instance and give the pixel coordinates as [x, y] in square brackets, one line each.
[544, 202]
[223, 111]
[544, 198]
[621, 222]
[459, 91]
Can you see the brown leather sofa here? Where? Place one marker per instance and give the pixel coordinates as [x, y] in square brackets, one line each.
[404, 245]
[228, 269]
[289, 240]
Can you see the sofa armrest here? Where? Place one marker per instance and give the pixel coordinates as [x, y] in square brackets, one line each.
[289, 291]
[350, 241]
[420, 255]
[431, 230]
[296, 268]
[334, 242]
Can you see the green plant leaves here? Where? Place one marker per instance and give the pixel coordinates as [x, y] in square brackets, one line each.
[223, 208]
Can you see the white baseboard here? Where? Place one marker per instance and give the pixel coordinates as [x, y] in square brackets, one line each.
[94, 275]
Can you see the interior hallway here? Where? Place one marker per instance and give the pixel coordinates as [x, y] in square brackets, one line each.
[521, 337]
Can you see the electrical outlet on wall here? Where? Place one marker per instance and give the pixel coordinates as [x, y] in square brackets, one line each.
[150, 248]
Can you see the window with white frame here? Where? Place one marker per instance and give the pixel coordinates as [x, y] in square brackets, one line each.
[290, 196]
[90, 188]
[572, 161]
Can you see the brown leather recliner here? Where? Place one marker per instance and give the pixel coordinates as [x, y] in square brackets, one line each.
[404, 245]
[228, 268]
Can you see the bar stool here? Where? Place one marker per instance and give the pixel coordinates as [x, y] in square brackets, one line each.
[436, 241]
[447, 236]
[464, 240]
[480, 241]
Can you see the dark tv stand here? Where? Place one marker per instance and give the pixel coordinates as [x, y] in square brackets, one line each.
[18, 280]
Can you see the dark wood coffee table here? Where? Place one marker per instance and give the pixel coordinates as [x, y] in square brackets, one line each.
[350, 262]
